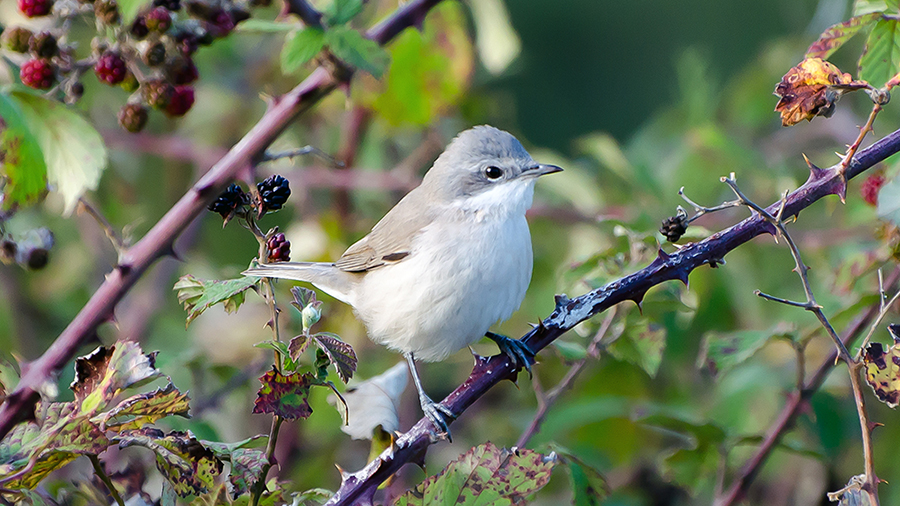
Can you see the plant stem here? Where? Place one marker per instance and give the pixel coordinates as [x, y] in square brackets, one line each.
[98, 468]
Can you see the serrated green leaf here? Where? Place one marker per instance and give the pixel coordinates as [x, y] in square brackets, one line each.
[892, 5]
[589, 486]
[342, 11]
[881, 58]
[23, 161]
[74, 152]
[199, 295]
[264, 26]
[289, 363]
[485, 475]
[356, 50]
[722, 351]
[300, 47]
[836, 35]
[889, 201]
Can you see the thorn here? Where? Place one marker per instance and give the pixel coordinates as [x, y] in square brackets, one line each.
[874, 425]
[561, 301]
[169, 250]
[682, 275]
[662, 255]
[124, 269]
[716, 262]
[814, 172]
[344, 474]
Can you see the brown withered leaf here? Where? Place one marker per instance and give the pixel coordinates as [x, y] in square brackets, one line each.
[811, 89]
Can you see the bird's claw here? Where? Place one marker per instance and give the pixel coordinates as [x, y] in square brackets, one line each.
[515, 349]
[439, 415]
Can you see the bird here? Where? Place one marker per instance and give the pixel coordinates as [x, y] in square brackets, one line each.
[449, 260]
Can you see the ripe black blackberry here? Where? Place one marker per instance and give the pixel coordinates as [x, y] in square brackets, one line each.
[273, 193]
[674, 227]
[43, 45]
[229, 201]
[278, 249]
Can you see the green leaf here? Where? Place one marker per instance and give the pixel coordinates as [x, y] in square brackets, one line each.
[264, 26]
[104, 373]
[356, 50]
[199, 295]
[836, 35]
[73, 150]
[246, 461]
[300, 47]
[485, 475]
[861, 7]
[889, 201]
[892, 5]
[285, 396]
[589, 486]
[23, 162]
[722, 351]
[342, 11]
[642, 344]
[340, 353]
[695, 461]
[881, 57]
[146, 408]
[570, 351]
[189, 467]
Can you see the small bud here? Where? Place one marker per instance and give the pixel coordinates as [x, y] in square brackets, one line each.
[310, 316]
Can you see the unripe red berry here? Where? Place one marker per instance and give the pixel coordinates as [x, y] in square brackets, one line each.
[38, 73]
[181, 102]
[110, 68]
[870, 187]
[133, 117]
[35, 8]
[158, 19]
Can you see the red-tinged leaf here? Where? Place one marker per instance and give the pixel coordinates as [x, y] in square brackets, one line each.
[285, 396]
[143, 409]
[298, 346]
[189, 467]
[836, 35]
[340, 353]
[485, 475]
[102, 375]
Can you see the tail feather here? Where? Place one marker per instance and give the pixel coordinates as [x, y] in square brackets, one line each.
[325, 276]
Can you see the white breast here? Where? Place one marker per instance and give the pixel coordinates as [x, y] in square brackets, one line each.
[464, 274]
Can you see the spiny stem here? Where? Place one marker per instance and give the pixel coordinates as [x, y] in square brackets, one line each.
[260, 486]
[101, 473]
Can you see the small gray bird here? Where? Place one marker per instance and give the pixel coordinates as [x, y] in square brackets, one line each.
[452, 258]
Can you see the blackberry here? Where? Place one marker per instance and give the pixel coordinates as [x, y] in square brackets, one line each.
[221, 23]
[154, 54]
[38, 73]
[110, 68]
[674, 227]
[172, 5]
[158, 93]
[278, 248]
[139, 28]
[16, 39]
[43, 45]
[133, 117]
[107, 11]
[35, 8]
[273, 193]
[158, 19]
[181, 102]
[229, 201]
[870, 187]
[183, 71]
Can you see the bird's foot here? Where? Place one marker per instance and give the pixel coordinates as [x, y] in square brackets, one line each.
[515, 349]
[440, 415]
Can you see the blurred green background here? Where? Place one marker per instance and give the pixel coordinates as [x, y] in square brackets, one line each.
[635, 100]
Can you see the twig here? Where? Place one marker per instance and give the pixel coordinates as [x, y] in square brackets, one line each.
[305, 150]
[546, 401]
[881, 314]
[101, 220]
[306, 12]
[98, 468]
[159, 240]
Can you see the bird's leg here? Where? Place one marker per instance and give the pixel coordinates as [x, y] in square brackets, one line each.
[436, 412]
[515, 349]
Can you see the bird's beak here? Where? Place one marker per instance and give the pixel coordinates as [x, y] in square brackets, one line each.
[542, 169]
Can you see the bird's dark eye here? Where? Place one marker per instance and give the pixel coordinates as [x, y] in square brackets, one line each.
[493, 172]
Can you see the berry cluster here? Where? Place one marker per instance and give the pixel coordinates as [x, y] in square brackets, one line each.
[152, 57]
[229, 202]
[278, 249]
[273, 193]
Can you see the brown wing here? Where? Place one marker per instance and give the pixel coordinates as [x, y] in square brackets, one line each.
[390, 241]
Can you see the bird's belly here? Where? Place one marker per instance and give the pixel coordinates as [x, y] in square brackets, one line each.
[458, 281]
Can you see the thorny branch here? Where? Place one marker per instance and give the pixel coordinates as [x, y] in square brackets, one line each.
[360, 487]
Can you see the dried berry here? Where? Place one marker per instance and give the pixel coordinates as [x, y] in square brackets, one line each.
[674, 227]
[133, 117]
[43, 45]
[110, 68]
[139, 28]
[107, 11]
[154, 54]
[229, 201]
[870, 187]
[181, 102]
[38, 73]
[183, 71]
[172, 5]
[158, 19]
[273, 193]
[278, 249]
[16, 39]
[35, 8]
[158, 93]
